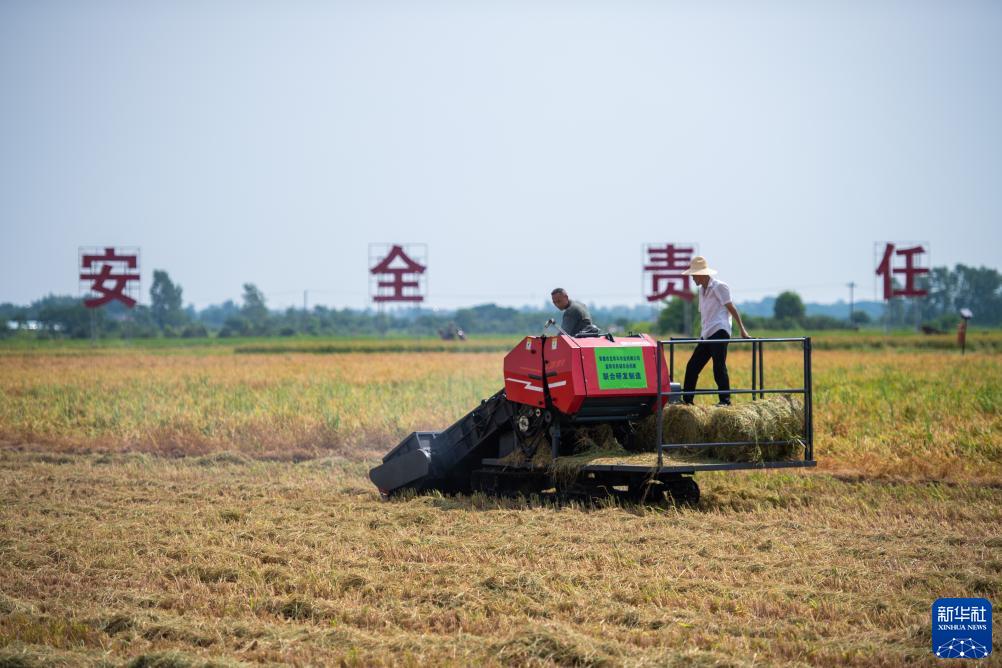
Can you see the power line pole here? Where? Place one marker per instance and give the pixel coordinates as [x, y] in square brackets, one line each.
[305, 312]
[852, 287]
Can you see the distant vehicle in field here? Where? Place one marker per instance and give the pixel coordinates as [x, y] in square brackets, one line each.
[452, 333]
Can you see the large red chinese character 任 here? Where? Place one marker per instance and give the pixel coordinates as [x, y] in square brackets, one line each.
[909, 270]
[107, 274]
[665, 265]
[397, 283]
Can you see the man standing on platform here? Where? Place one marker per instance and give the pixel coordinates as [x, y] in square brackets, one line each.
[715, 311]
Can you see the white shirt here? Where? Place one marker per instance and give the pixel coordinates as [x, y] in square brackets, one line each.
[712, 308]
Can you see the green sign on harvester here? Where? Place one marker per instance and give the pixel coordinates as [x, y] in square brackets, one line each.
[620, 368]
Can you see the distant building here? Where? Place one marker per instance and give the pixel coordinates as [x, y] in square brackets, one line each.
[32, 325]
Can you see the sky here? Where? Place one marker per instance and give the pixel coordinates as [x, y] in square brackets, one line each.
[529, 144]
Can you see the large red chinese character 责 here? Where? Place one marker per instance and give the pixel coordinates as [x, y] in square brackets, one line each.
[105, 275]
[397, 282]
[665, 265]
[909, 270]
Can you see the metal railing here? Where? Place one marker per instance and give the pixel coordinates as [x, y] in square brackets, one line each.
[758, 391]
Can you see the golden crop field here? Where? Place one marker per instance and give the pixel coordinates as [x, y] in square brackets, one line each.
[912, 414]
[181, 507]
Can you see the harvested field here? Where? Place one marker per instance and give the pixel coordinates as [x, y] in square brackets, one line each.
[178, 508]
[129, 557]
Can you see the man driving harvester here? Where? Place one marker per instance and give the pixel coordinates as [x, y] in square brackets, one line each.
[576, 320]
[715, 311]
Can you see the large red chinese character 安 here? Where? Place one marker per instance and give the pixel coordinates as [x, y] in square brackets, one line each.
[397, 282]
[665, 265]
[106, 275]
[909, 270]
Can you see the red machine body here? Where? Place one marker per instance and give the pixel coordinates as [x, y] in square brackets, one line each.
[582, 376]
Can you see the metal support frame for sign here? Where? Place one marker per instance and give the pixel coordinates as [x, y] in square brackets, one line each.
[407, 263]
[925, 267]
[692, 249]
[758, 390]
[106, 274]
[673, 270]
[123, 263]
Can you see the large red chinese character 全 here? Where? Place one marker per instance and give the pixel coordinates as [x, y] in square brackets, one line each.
[665, 265]
[107, 274]
[909, 270]
[397, 282]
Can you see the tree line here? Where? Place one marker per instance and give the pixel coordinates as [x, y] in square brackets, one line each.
[66, 316]
[979, 289]
[976, 288]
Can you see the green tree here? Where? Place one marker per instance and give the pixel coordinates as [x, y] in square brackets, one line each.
[788, 306]
[165, 301]
[235, 325]
[494, 318]
[672, 318]
[255, 310]
[976, 288]
[980, 289]
[67, 316]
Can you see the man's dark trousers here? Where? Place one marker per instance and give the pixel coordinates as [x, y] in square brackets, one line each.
[700, 356]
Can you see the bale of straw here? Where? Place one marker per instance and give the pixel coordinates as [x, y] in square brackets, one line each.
[773, 419]
[682, 423]
[778, 418]
[781, 419]
[733, 423]
[797, 406]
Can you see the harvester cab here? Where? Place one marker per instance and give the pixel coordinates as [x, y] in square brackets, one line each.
[554, 387]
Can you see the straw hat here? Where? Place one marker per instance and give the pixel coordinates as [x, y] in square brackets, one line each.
[699, 267]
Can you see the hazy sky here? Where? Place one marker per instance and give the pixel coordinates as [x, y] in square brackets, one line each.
[529, 144]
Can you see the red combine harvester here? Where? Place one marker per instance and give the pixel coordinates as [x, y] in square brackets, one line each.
[554, 385]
